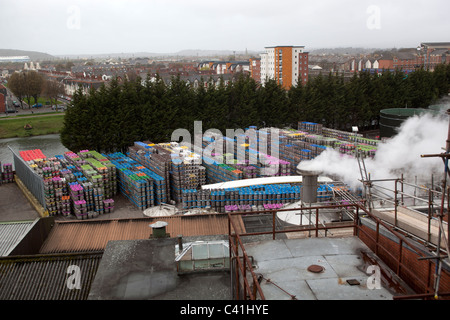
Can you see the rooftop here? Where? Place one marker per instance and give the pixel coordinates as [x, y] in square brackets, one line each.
[145, 269]
[44, 277]
[284, 47]
[12, 233]
[94, 235]
[339, 270]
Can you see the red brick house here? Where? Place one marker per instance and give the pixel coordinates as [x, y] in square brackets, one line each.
[2, 103]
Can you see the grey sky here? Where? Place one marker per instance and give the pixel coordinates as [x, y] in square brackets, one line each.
[122, 26]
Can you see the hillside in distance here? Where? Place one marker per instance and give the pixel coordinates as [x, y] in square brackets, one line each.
[34, 55]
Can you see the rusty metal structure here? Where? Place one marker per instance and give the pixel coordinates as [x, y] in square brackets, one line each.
[246, 281]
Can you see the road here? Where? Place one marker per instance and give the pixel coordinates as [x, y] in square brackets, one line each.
[26, 109]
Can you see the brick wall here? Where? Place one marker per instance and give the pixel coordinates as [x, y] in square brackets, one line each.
[420, 276]
[255, 69]
[2, 103]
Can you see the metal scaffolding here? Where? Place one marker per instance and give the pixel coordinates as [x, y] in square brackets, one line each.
[375, 192]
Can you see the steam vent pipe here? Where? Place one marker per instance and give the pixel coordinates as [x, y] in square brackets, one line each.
[309, 186]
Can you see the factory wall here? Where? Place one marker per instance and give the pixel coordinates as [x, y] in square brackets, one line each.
[423, 269]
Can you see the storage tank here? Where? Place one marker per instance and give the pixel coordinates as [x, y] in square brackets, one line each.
[441, 108]
[392, 119]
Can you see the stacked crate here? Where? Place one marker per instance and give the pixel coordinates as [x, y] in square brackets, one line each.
[311, 127]
[217, 172]
[187, 171]
[49, 196]
[7, 176]
[157, 161]
[108, 205]
[193, 199]
[61, 194]
[79, 203]
[65, 177]
[181, 168]
[136, 182]
[254, 196]
[104, 168]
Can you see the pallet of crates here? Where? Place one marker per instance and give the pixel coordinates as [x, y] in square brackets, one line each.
[158, 187]
[188, 198]
[60, 190]
[177, 180]
[148, 195]
[135, 188]
[138, 187]
[89, 197]
[80, 209]
[106, 169]
[7, 176]
[77, 198]
[159, 161]
[98, 195]
[151, 162]
[108, 205]
[126, 171]
[149, 186]
[124, 183]
[49, 196]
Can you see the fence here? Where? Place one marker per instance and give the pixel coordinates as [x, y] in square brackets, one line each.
[29, 178]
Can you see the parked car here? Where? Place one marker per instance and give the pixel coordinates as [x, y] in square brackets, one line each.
[12, 110]
[59, 107]
[37, 105]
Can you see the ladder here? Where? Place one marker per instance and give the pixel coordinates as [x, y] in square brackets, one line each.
[365, 179]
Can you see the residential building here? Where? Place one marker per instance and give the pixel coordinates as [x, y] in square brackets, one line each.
[3, 90]
[288, 65]
[427, 55]
[224, 67]
[255, 69]
[434, 53]
[2, 103]
[72, 85]
[386, 62]
[407, 60]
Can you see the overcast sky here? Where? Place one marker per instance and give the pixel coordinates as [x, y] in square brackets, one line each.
[61, 27]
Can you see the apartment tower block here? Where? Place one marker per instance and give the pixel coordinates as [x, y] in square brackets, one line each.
[288, 65]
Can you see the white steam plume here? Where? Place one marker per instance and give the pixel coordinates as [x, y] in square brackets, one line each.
[418, 135]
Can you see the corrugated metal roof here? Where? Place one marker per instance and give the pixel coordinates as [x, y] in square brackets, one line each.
[46, 277]
[93, 235]
[11, 233]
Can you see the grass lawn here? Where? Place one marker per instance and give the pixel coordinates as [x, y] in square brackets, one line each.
[42, 124]
[42, 100]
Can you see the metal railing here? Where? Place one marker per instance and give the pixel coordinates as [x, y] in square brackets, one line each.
[251, 289]
[246, 282]
[399, 198]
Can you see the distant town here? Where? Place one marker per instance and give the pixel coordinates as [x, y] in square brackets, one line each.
[289, 65]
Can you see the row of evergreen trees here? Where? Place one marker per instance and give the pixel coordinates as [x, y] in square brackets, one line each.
[114, 116]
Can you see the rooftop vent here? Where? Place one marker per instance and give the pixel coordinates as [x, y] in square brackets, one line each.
[159, 229]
